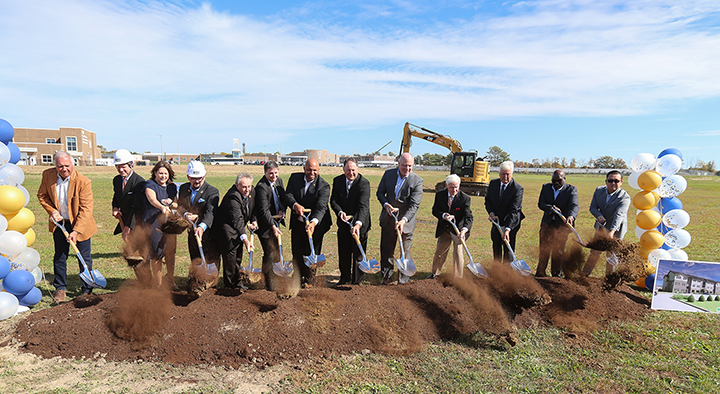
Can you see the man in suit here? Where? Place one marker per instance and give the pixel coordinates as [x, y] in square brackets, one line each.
[454, 205]
[503, 202]
[236, 212]
[609, 205]
[399, 193]
[199, 200]
[67, 197]
[128, 194]
[307, 190]
[270, 201]
[351, 197]
[553, 230]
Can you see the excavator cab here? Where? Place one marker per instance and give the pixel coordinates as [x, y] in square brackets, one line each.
[463, 164]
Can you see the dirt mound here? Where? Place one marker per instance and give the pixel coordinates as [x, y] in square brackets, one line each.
[229, 327]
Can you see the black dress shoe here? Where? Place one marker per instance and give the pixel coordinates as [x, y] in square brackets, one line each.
[431, 276]
[341, 282]
[385, 281]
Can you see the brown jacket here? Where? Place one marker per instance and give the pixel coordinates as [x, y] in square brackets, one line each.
[80, 202]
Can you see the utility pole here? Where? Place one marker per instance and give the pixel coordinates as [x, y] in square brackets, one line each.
[162, 154]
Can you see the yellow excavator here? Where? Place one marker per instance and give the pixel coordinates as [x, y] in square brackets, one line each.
[472, 170]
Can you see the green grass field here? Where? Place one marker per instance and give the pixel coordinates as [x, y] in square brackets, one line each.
[665, 352]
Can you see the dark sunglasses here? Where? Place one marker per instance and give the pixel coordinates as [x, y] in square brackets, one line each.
[613, 180]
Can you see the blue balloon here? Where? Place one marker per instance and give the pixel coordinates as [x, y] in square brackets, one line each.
[31, 298]
[14, 152]
[6, 131]
[671, 151]
[663, 229]
[18, 282]
[4, 266]
[649, 282]
[665, 247]
[667, 204]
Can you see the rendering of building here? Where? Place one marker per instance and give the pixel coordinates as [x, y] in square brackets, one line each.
[37, 146]
[682, 283]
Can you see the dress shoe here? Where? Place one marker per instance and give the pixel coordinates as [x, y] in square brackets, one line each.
[431, 276]
[385, 281]
[341, 282]
[60, 296]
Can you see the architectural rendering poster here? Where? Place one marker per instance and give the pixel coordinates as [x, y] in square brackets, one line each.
[689, 286]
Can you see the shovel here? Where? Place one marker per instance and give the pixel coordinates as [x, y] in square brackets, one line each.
[564, 219]
[368, 267]
[91, 278]
[405, 266]
[519, 265]
[282, 268]
[314, 260]
[476, 268]
[210, 269]
[250, 268]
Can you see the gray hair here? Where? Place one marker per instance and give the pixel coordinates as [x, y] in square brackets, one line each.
[452, 178]
[243, 175]
[507, 165]
[59, 154]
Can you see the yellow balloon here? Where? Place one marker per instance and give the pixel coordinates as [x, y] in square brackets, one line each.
[22, 221]
[30, 236]
[649, 180]
[649, 269]
[648, 219]
[643, 253]
[651, 240]
[11, 200]
[645, 200]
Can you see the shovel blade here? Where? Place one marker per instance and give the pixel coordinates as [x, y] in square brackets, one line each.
[211, 269]
[283, 269]
[521, 266]
[406, 266]
[477, 270]
[93, 279]
[369, 267]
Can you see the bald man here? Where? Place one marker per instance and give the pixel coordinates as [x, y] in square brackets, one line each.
[307, 190]
[553, 230]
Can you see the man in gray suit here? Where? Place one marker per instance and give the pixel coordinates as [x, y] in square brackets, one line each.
[609, 206]
[399, 192]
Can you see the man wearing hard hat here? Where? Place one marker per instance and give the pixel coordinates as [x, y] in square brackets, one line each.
[199, 200]
[128, 194]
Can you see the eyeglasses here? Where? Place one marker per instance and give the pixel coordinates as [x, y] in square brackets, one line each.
[613, 180]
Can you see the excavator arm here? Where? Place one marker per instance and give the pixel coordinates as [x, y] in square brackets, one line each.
[412, 130]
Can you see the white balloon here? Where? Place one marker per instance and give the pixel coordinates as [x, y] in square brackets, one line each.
[633, 179]
[677, 218]
[656, 255]
[4, 154]
[8, 305]
[677, 238]
[639, 232]
[643, 162]
[27, 259]
[38, 274]
[12, 175]
[678, 254]
[3, 221]
[668, 165]
[26, 193]
[12, 243]
[672, 186]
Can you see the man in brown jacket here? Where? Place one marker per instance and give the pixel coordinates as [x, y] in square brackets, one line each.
[67, 197]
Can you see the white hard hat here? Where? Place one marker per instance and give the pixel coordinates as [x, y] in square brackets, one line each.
[196, 169]
[123, 156]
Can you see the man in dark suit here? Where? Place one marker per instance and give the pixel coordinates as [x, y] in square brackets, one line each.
[270, 200]
[503, 202]
[307, 190]
[609, 205]
[399, 193]
[553, 230]
[200, 200]
[235, 212]
[351, 197]
[128, 194]
[451, 204]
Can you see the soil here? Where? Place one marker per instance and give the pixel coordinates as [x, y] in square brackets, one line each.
[232, 327]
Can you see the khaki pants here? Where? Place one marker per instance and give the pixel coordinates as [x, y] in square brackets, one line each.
[444, 241]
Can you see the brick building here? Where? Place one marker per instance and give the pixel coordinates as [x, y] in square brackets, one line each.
[37, 146]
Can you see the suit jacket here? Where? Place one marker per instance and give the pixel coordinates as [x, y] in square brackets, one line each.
[614, 211]
[206, 202]
[80, 202]
[130, 201]
[460, 209]
[265, 206]
[234, 215]
[316, 199]
[566, 201]
[408, 198]
[355, 202]
[507, 208]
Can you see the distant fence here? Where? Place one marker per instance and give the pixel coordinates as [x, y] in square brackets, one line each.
[588, 171]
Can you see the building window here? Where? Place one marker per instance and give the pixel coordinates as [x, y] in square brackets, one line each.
[71, 144]
[51, 141]
[47, 159]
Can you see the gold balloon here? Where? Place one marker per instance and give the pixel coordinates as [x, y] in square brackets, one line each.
[649, 269]
[22, 221]
[652, 240]
[643, 253]
[648, 219]
[11, 200]
[645, 200]
[30, 236]
[649, 180]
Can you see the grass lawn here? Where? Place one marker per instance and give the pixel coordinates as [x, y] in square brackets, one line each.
[665, 352]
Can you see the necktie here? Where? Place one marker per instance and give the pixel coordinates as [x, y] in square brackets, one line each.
[450, 200]
[502, 189]
[349, 185]
[124, 183]
[275, 198]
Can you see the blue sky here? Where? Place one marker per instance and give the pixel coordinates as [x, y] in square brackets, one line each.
[708, 270]
[557, 78]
